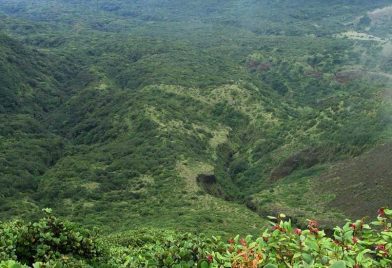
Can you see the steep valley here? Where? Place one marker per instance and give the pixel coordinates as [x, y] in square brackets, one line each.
[204, 116]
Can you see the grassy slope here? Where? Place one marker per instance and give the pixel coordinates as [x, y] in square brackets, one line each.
[29, 88]
[145, 116]
[121, 156]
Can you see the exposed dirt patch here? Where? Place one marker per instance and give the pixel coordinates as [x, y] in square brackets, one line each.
[344, 77]
[303, 159]
[258, 66]
[313, 74]
[361, 185]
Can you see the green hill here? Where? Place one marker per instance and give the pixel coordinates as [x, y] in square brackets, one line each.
[201, 116]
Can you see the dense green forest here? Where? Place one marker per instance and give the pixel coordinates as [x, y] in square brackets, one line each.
[170, 121]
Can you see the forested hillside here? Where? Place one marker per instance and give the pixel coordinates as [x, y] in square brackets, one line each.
[196, 116]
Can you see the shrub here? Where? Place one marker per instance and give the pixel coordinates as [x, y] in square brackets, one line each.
[45, 240]
[356, 244]
[157, 248]
[52, 243]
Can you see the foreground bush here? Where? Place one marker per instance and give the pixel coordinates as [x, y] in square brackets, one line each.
[52, 243]
[47, 240]
[356, 244]
[162, 248]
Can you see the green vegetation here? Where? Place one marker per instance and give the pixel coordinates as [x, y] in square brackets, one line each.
[172, 117]
[52, 243]
[46, 240]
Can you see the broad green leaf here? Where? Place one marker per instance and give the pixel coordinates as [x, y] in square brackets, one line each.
[339, 264]
[307, 258]
[203, 264]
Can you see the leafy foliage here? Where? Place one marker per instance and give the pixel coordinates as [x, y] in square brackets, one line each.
[113, 111]
[162, 248]
[356, 244]
[45, 240]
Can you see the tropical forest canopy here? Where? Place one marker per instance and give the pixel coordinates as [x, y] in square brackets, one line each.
[201, 116]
